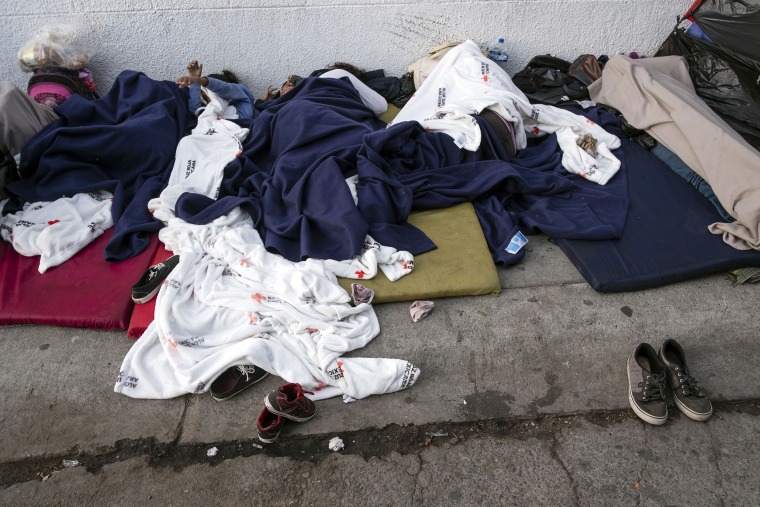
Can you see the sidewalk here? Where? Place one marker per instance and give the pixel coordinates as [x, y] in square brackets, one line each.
[524, 395]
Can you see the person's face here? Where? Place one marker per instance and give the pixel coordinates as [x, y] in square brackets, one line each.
[286, 86]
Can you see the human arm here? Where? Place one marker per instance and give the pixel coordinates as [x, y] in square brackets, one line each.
[370, 97]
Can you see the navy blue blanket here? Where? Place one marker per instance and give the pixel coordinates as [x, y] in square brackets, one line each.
[124, 143]
[665, 239]
[290, 179]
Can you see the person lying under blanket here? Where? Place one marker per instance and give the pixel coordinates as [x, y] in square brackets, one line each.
[370, 97]
[22, 115]
[226, 85]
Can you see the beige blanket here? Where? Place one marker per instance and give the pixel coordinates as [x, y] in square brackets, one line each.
[657, 95]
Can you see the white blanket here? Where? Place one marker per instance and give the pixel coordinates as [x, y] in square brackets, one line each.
[201, 158]
[231, 302]
[465, 83]
[57, 230]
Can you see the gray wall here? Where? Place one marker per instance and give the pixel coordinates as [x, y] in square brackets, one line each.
[264, 41]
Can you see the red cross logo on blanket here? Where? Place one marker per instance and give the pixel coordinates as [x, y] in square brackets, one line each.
[258, 297]
[359, 274]
[51, 222]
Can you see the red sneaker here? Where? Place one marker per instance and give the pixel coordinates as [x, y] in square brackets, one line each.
[289, 401]
[268, 426]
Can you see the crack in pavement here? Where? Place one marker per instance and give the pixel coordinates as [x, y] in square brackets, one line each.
[377, 442]
[554, 451]
[717, 455]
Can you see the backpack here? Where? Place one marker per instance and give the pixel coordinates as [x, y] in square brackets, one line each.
[547, 80]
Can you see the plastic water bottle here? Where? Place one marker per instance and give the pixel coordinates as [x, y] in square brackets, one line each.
[498, 53]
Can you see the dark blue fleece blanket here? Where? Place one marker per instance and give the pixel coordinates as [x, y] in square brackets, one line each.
[291, 180]
[124, 143]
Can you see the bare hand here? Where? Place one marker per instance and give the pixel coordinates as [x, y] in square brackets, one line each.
[194, 69]
[184, 81]
[270, 93]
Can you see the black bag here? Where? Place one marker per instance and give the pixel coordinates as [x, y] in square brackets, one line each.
[545, 80]
[724, 80]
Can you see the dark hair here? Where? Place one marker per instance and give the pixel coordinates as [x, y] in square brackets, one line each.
[356, 71]
[226, 75]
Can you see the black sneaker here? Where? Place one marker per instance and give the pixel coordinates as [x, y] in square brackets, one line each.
[289, 401]
[268, 426]
[690, 399]
[646, 385]
[148, 284]
[234, 380]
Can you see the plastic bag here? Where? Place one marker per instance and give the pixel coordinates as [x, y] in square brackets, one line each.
[731, 24]
[53, 46]
[726, 81]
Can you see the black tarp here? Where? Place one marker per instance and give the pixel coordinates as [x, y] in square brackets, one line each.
[732, 24]
[727, 80]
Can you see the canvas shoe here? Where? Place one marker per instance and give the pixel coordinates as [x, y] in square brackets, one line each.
[689, 398]
[646, 385]
[289, 401]
[234, 380]
[268, 426]
[150, 282]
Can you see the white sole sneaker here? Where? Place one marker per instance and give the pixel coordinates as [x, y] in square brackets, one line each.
[694, 416]
[657, 421]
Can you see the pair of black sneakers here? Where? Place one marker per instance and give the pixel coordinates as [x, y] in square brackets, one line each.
[649, 373]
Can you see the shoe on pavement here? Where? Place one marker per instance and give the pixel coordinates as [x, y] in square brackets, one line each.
[268, 426]
[289, 401]
[149, 283]
[235, 379]
[646, 385]
[689, 397]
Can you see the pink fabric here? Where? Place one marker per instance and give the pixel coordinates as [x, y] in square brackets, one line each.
[85, 291]
[49, 94]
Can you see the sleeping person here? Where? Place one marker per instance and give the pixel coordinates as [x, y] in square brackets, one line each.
[370, 97]
[226, 85]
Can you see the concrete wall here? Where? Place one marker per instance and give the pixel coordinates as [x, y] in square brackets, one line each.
[264, 41]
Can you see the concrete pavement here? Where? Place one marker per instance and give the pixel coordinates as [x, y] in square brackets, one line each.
[522, 400]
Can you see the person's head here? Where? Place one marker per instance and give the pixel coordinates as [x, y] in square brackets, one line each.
[290, 83]
[356, 71]
[226, 75]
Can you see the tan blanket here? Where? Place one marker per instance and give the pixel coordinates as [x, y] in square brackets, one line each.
[657, 95]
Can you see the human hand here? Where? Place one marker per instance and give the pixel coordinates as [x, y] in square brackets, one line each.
[184, 81]
[194, 69]
[270, 93]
